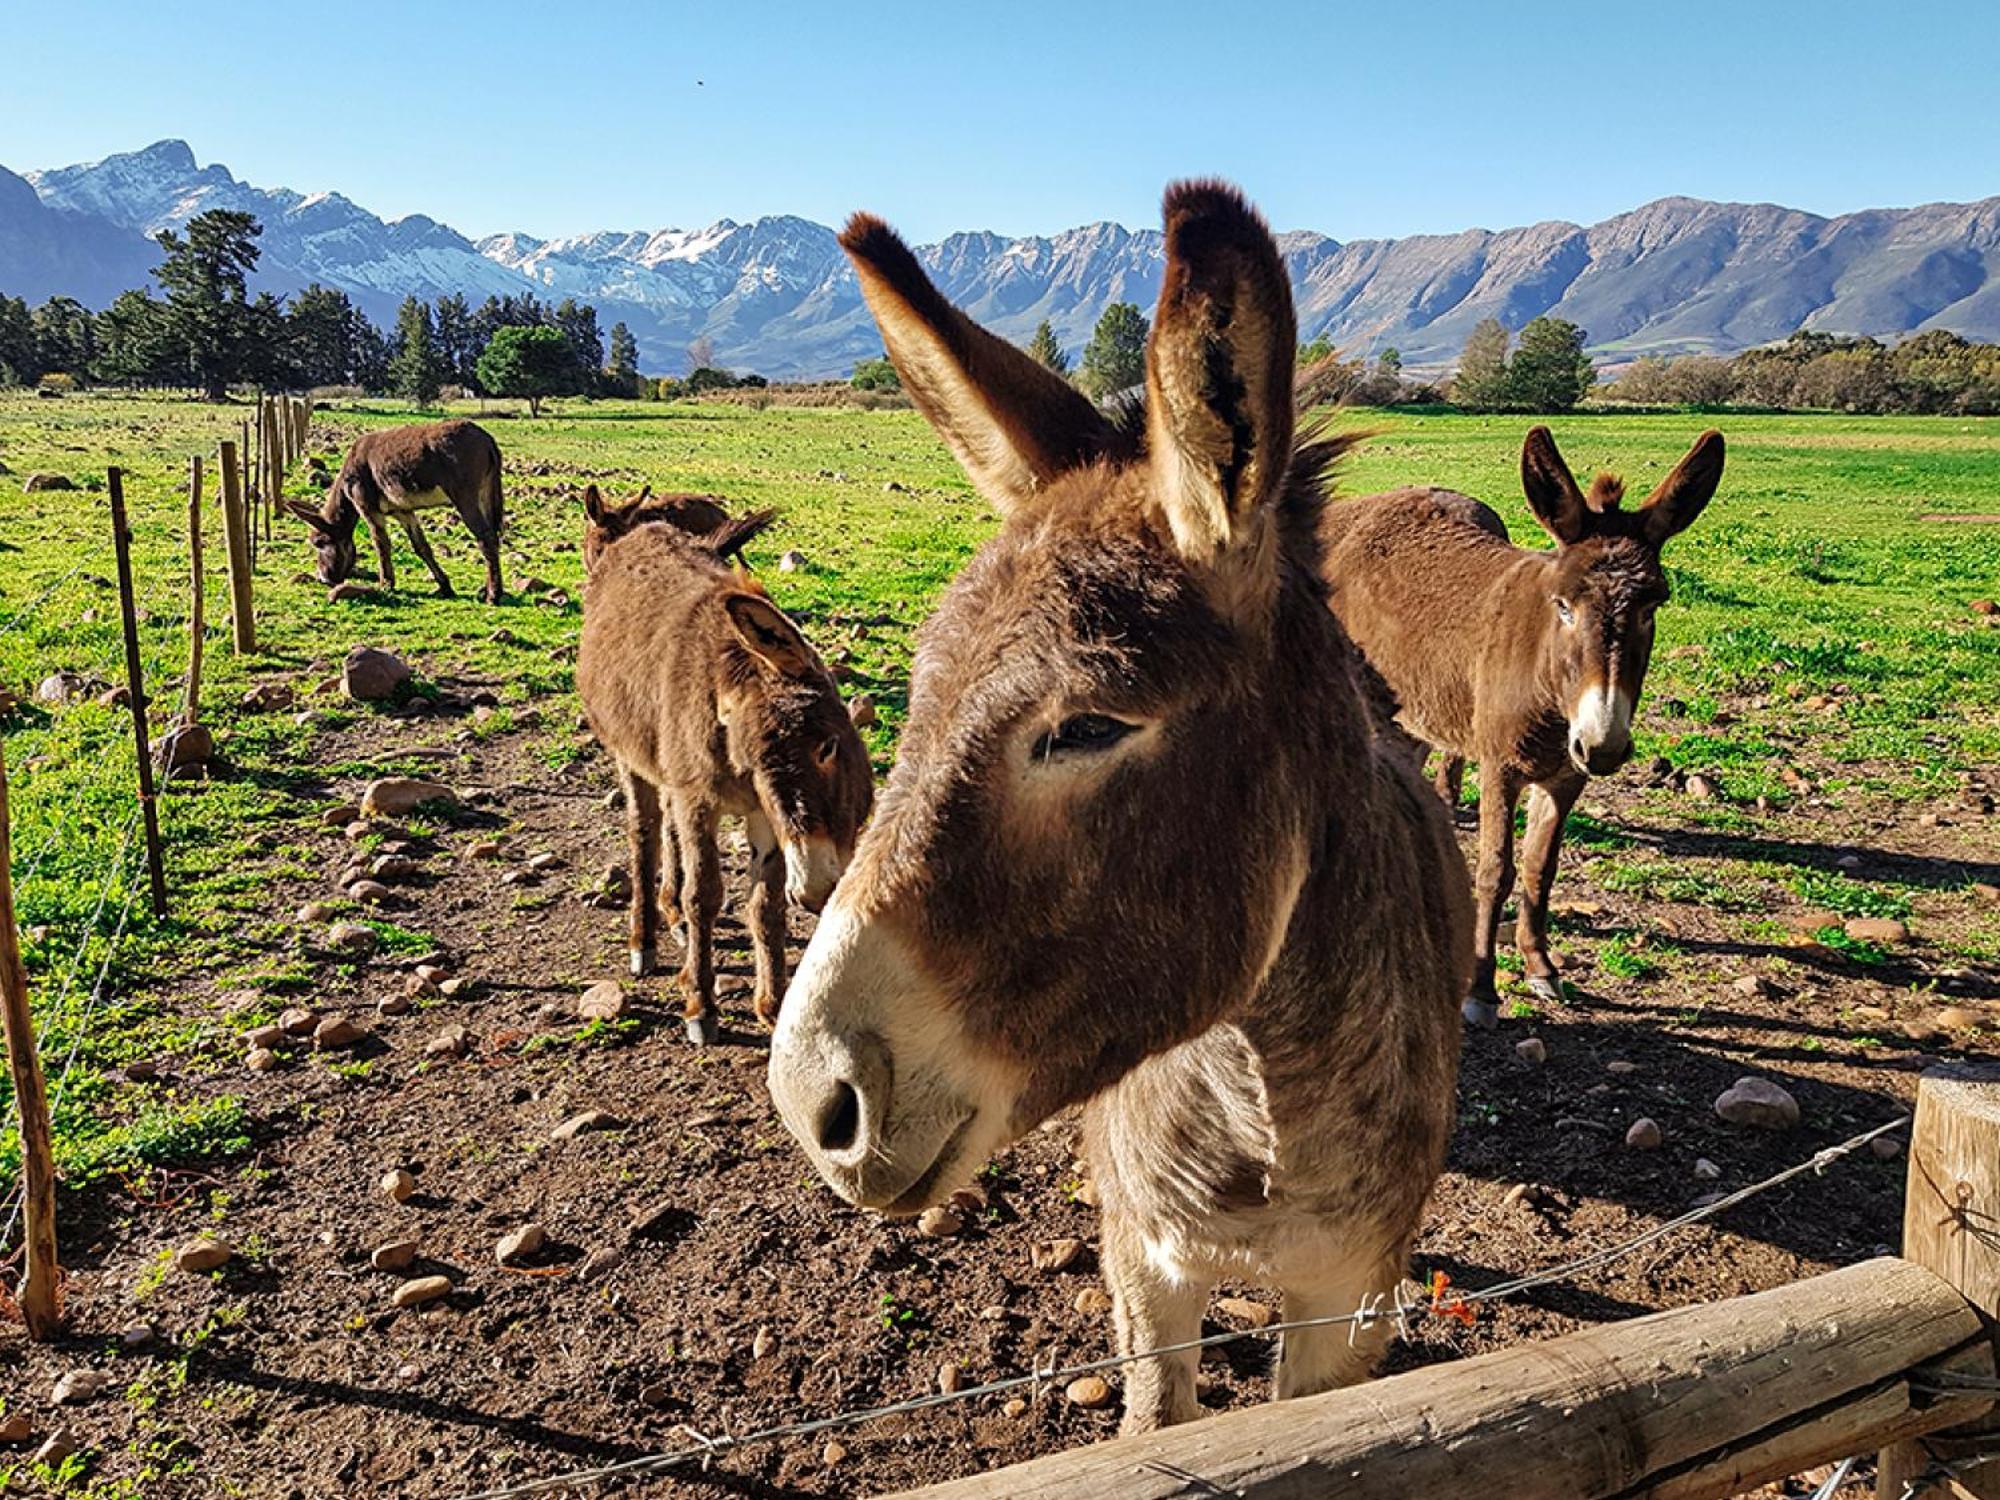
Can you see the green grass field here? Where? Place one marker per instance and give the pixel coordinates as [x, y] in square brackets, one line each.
[1820, 626]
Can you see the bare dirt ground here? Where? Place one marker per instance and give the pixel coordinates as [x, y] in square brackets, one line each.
[697, 1281]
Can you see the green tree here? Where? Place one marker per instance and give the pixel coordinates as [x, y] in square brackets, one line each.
[20, 362]
[623, 366]
[457, 342]
[65, 337]
[578, 322]
[324, 330]
[1481, 379]
[135, 345]
[535, 363]
[416, 372]
[204, 276]
[1115, 358]
[1549, 371]
[1045, 351]
[1311, 353]
[877, 375]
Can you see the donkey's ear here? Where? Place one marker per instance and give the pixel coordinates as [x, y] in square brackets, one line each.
[1012, 424]
[1551, 489]
[306, 513]
[1672, 507]
[1219, 368]
[593, 504]
[767, 635]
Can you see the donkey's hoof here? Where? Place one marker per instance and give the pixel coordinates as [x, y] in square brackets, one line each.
[1483, 1014]
[1546, 987]
[642, 962]
[702, 1030]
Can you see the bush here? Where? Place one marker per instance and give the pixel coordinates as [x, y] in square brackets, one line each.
[59, 381]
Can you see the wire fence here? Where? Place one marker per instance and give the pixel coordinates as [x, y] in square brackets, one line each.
[1403, 1307]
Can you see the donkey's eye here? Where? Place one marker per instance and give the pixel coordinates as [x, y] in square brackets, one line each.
[1564, 611]
[1081, 734]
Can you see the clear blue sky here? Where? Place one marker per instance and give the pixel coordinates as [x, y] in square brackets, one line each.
[1395, 117]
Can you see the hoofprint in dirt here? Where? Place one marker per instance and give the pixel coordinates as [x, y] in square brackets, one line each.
[692, 1279]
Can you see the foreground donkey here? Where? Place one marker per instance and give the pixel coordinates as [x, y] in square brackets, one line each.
[1141, 845]
[711, 702]
[1529, 662]
[698, 515]
[398, 472]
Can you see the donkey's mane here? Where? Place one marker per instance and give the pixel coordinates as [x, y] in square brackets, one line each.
[1606, 490]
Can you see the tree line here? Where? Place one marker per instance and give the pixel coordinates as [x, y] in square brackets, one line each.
[1934, 372]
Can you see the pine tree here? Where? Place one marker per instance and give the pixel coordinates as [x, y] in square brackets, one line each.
[457, 349]
[1115, 358]
[1045, 351]
[416, 373]
[1549, 371]
[578, 322]
[65, 337]
[623, 365]
[1481, 380]
[135, 345]
[204, 276]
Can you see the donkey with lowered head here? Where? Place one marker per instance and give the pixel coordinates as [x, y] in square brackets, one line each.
[398, 472]
[1530, 662]
[1142, 845]
[711, 702]
[701, 516]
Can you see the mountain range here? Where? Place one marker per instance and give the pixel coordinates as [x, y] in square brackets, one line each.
[775, 295]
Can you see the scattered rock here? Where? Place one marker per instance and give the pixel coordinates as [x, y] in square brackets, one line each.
[202, 1253]
[1849, 862]
[603, 1001]
[419, 1290]
[1246, 1313]
[351, 939]
[1984, 607]
[371, 676]
[765, 1341]
[1619, 1068]
[1014, 1407]
[1089, 1392]
[1812, 920]
[432, 973]
[394, 1005]
[940, 1222]
[1093, 1301]
[458, 984]
[1645, 1135]
[1752, 986]
[185, 746]
[396, 1255]
[336, 1031]
[398, 1185]
[518, 1244]
[297, 1021]
[1981, 891]
[544, 861]
[60, 1445]
[950, 1377]
[39, 481]
[1885, 1148]
[832, 1453]
[1055, 1255]
[485, 849]
[600, 1262]
[1702, 788]
[393, 796]
[1876, 930]
[313, 913]
[658, 1395]
[590, 1119]
[15, 1427]
[1532, 1051]
[264, 1036]
[1759, 1103]
[340, 593]
[371, 891]
[79, 1386]
[968, 1200]
[66, 687]
[862, 711]
[261, 1060]
[1957, 1018]
[1706, 1170]
[450, 1042]
[394, 867]
[791, 561]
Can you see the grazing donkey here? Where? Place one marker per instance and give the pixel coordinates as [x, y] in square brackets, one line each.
[1530, 662]
[398, 472]
[1142, 846]
[698, 515]
[711, 702]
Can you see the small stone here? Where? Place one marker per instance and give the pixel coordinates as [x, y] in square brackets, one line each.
[791, 561]
[136, 1335]
[1702, 788]
[261, 1060]
[1014, 1407]
[264, 1036]
[764, 1342]
[395, 1255]
[1243, 1311]
[394, 867]
[1055, 1255]
[269, 697]
[394, 1005]
[1849, 862]
[419, 1290]
[395, 795]
[1532, 1051]
[458, 984]
[1093, 1301]
[297, 1021]
[518, 1244]
[589, 1119]
[485, 849]
[968, 1200]
[950, 1377]
[431, 973]
[15, 1427]
[1645, 1135]
[398, 1185]
[862, 711]
[370, 676]
[1751, 986]
[1876, 930]
[603, 1001]
[313, 913]
[79, 1386]
[1958, 1018]
[1813, 920]
[1706, 1170]
[1619, 1068]
[544, 861]
[1759, 1103]
[940, 1222]
[1089, 1392]
[1885, 1148]
[341, 816]
[336, 1031]
[351, 939]
[832, 1453]
[1979, 890]
[1086, 1192]
[60, 1445]
[202, 1253]
[600, 1262]
[658, 1395]
[450, 1042]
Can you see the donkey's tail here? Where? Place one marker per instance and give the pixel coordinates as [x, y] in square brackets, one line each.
[495, 505]
[733, 535]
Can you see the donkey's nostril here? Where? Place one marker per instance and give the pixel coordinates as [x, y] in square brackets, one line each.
[841, 1121]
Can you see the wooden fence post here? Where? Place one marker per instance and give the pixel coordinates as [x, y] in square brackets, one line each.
[191, 713]
[243, 626]
[135, 688]
[38, 1297]
[1951, 1226]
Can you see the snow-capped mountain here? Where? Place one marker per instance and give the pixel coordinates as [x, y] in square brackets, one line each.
[775, 295]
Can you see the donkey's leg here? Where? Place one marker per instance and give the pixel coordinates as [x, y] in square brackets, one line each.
[1311, 1360]
[486, 532]
[421, 544]
[1549, 803]
[1450, 777]
[1150, 1310]
[701, 899]
[670, 871]
[767, 916]
[385, 564]
[1499, 789]
[642, 840]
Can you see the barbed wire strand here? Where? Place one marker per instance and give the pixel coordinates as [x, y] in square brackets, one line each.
[18, 616]
[1373, 1311]
[1834, 1480]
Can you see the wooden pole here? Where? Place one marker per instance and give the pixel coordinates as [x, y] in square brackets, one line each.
[1951, 1226]
[248, 494]
[1692, 1404]
[196, 595]
[135, 687]
[243, 625]
[40, 1281]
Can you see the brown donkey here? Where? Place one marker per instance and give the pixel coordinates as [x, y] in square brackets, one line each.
[698, 515]
[1530, 662]
[711, 702]
[398, 472]
[1142, 846]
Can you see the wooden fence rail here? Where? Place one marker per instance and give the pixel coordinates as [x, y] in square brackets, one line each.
[1698, 1402]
